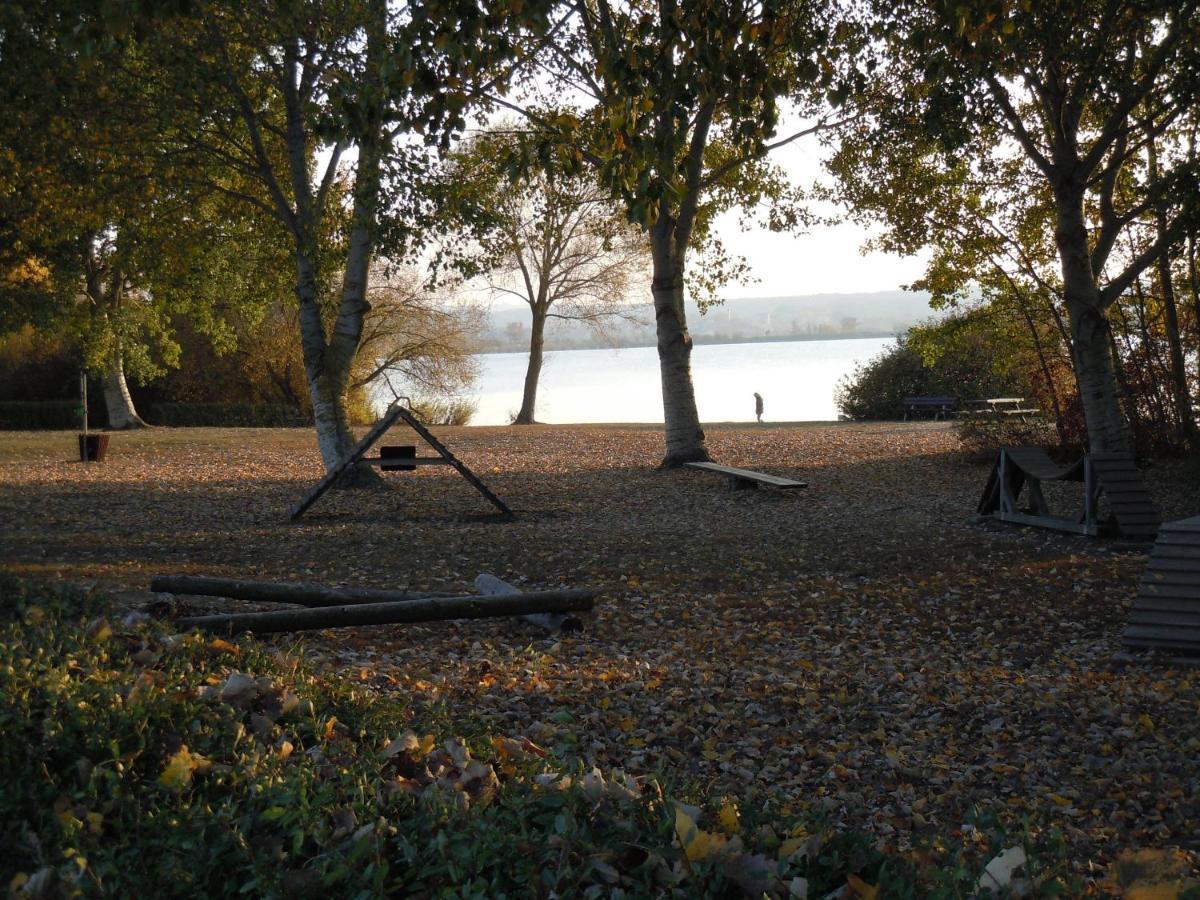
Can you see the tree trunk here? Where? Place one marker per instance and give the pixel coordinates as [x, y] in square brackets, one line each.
[1180, 392]
[681, 419]
[537, 330]
[334, 438]
[1194, 284]
[121, 412]
[328, 364]
[1090, 330]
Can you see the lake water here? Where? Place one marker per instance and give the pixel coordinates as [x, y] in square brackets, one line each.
[796, 379]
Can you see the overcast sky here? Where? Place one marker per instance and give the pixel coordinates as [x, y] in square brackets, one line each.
[823, 260]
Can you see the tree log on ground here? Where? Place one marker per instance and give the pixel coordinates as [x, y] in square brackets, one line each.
[490, 585]
[429, 609]
[313, 595]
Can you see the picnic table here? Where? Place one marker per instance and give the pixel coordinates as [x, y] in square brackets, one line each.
[998, 407]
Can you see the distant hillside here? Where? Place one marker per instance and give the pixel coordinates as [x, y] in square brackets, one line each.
[746, 319]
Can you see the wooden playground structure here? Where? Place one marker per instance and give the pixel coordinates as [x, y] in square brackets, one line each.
[402, 458]
[1111, 476]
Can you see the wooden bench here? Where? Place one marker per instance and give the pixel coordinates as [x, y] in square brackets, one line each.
[748, 479]
[939, 406]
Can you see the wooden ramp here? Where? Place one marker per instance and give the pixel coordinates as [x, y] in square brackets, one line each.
[1166, 614]
[395, 413]
[1114, 476]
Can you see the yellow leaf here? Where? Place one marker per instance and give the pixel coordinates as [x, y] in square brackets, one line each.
[697, 844]
[685, 828]
[729, 816]
[178, 772]
[705, 845]
[1060, 800]
[223, 646]
[791, 846]
[1146, 722]
[1169, 891]
[861, 888]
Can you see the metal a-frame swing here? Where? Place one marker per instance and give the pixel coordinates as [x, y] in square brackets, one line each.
[398, 458]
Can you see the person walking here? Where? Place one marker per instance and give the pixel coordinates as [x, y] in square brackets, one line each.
[758, 405]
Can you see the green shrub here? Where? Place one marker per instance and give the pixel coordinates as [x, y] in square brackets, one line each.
[141, 762]
[876, 389]
[224, 415]
[38, 415]
[457, 411]
[981, 437]
[957, 356]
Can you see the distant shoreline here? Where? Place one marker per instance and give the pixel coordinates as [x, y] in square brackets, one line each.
[705, 340]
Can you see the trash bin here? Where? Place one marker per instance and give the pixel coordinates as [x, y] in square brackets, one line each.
[92, 447]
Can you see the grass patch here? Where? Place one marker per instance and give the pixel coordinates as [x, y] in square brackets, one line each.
[153, 763]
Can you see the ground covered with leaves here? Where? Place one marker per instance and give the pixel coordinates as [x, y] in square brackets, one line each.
[864, 655]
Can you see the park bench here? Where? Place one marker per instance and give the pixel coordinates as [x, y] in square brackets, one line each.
[748, 479]
[1131, 510]
[939, 406]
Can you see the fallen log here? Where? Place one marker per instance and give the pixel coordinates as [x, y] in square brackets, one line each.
[428, 609]
[312, 595]
[491, 586]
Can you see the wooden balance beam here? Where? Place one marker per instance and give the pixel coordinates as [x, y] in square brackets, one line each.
[748, 479]
[1113, 475]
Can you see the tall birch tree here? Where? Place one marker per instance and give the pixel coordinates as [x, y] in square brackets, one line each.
[678, 108]
[1072, 96]
[301, 94]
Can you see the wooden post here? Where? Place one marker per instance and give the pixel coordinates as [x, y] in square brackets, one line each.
[83, 399]
[431, 609]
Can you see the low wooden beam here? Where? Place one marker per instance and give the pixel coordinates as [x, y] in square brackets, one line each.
[430, 609]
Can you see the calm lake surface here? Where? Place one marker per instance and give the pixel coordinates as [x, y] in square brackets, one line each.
[795, 378]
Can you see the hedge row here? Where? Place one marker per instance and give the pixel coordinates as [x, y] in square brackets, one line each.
[224, 415]
[39, 415]
[54, 415]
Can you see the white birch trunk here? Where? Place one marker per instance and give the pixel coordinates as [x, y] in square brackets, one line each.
[121, 412]
[1091, 347]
